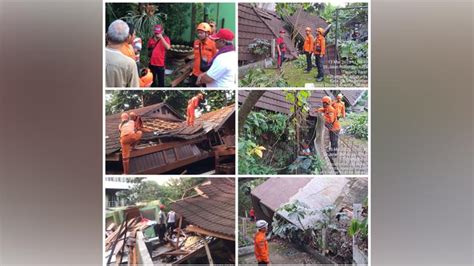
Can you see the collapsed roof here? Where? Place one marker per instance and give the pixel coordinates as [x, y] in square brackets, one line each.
[302, 19]
[161, 120]
[257, 23]
[211, 212]
[316, 193]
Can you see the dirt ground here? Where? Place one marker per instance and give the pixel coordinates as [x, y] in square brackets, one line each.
[281, 253]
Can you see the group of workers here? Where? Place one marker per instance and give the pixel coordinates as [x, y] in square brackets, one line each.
[166, 223]
[317, 47]
[333, 111]
[212, 53]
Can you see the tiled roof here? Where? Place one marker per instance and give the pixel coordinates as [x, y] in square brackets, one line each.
[169, 126]
[275, 101]
[251, 27]
[304, 20]
[352, 96]
[214, 212]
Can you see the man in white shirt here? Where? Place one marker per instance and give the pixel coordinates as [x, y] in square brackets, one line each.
[171, 222]
[120, 70]
[223, 69]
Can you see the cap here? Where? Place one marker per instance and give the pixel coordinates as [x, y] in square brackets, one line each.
[224, 34]
[158, 29]
[339, 96]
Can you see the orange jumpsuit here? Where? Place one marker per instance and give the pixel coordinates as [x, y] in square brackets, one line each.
[207, 50]
[127, 49]
[128, 136]
[330, 117]
[261, 247]
[146, 80]
[192, 105]
[340, 109]
[331, 122]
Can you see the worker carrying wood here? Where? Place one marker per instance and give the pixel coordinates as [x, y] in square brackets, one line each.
[331, 123]
[308, 48]
[261, 243]
[204, 50]
[340, 107]
[320, 52]
[129, 136]
[193, 103]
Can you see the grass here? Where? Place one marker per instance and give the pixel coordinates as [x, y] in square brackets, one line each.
[297, 77]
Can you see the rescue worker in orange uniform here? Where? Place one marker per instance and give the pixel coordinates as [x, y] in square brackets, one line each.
[127, 47]
[320, 52]
[128, 137]
[146, 78]
[340, 107]
[308, 48]
[204, 50]
[261, 243]
[193, 103]
[331, 123]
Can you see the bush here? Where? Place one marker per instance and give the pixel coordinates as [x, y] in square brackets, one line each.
[258, 78]
[260, 47]
[251, 162]
[358, 125]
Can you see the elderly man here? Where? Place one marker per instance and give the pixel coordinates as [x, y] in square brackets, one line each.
[222, 71]
[120, 70]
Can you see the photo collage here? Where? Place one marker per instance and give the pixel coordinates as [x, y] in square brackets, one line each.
[236, 133]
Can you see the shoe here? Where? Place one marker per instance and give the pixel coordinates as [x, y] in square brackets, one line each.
[307, 71]
[319, 79]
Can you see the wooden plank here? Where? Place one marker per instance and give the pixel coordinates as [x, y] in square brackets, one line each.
[177, 164]
[198, 230]
[164, 146]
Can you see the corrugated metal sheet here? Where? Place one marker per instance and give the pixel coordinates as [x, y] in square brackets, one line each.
[316, 193]
[216, 211]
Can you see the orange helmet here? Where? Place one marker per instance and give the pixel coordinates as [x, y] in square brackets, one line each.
[204, 27]
[308, 29]
[339, 96]
[320, 30]
[326, 99]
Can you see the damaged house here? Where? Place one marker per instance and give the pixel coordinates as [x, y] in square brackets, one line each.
[352, 155]
[168, 145]
[205, 232]
[346, 195]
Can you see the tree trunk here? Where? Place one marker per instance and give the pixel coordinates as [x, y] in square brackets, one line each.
[193, 21]
[247, 106]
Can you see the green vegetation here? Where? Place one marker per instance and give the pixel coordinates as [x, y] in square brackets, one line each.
[144, 191]
[245, 187]
[257, 77]
[297, 77]
[357, 124]
[119, 101]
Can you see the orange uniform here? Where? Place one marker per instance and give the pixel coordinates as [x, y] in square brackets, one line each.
[146, 80]
[320, 45]
[127, 49]
[128, 137]
[330, 117]
[308, 43]
[207, 50]
[192, 105]
[261, 247]
[340, 109]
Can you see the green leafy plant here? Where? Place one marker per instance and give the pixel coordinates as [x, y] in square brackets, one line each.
[250, 162]
[358, 125]
[260, 47]
[257, 77]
